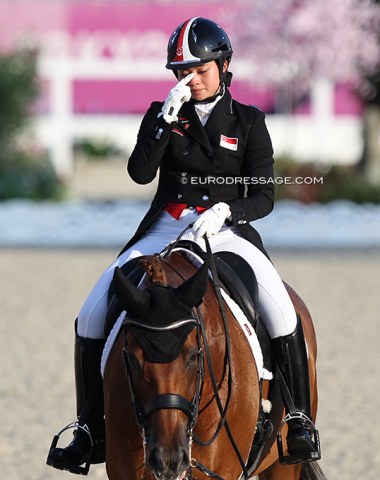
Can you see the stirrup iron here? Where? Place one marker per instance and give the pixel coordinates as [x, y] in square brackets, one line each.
[300, 457]
[63, 465]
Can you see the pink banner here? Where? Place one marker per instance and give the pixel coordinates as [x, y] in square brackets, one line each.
[125, 32]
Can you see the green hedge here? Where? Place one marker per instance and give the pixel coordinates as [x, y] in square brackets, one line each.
[23, 172]
[32, 177]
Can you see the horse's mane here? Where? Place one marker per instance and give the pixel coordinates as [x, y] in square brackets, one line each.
[171, 270]
[153, 266]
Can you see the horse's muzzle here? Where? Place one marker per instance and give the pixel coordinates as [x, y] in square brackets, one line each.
[168, 464]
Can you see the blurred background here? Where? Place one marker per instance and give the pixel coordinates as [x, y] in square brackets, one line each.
[76, 78]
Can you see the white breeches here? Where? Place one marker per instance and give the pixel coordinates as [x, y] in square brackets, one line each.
[275, 306]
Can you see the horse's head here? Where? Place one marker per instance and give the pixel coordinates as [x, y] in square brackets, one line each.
[164, 364]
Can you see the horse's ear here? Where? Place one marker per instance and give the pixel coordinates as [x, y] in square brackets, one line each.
[192, 291]
[133, 300]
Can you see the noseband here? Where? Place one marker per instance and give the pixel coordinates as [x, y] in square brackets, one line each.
[167, 400]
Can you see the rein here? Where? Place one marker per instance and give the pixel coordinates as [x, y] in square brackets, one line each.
[223, 413]
[227, 359]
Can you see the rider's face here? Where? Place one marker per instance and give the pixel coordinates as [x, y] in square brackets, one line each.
[205, 82]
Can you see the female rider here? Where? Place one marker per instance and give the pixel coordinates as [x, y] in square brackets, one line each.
[199, 139]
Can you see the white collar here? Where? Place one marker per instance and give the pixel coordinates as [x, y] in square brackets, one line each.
[204, 109]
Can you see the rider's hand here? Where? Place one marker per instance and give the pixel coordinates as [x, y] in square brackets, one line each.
[211, 221]
[177, 96]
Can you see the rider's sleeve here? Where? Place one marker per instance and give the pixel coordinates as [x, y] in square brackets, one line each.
[257, 202]
[152, 141]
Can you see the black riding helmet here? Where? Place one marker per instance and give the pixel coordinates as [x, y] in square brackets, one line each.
[196, 42]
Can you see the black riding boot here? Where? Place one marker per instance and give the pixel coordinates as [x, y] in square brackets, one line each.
[302, 439]
[88, 445]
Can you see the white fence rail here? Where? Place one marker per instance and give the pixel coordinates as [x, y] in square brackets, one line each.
[317, 137]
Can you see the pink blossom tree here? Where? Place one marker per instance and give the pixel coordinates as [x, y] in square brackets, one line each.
[289, 44]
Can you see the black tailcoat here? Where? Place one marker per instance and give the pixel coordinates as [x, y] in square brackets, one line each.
[229, 160]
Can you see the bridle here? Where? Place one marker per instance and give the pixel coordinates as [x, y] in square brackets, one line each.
[166, 400]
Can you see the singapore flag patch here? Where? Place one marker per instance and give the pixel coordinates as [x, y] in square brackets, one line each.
[229, 142]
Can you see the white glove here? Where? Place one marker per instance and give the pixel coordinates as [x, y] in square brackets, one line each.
[177, 96]
[211, 221]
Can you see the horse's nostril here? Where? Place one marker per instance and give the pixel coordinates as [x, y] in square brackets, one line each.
[182, 457]
[155, 460]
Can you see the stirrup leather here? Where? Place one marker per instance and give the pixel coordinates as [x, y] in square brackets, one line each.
[301, 457]
[62, 465]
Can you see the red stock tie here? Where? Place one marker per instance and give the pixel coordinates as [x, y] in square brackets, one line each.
[176, 209]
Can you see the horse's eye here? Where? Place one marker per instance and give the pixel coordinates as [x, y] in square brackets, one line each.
[192, 358]
[134, 364]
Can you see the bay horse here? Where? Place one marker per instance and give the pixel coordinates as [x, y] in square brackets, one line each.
[181, 388]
